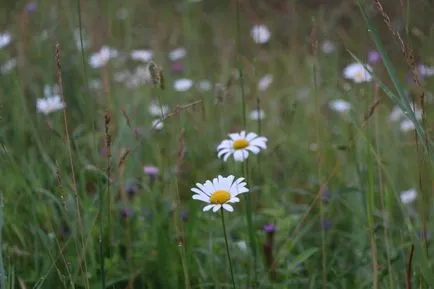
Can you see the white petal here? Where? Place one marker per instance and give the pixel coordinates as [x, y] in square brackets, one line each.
[216, 208]
[202, 198]
[215, 183]
[259, 142]
[238, 156]
[226, 144]
[253, 149]
[245, 154]
[208, 207]
[203, 189]
[250, 136]
[225, 158]
[234, 136]
[209, 187]
[234, 200]
[228, 207]
[197, 191]
[223, 151]
[228, 183]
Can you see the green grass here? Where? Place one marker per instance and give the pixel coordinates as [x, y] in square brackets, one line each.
[60, 220]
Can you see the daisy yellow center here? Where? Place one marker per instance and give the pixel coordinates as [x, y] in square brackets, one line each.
[240, 144]
[220, 197]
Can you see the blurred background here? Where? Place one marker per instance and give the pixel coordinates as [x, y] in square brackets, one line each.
[111, 111]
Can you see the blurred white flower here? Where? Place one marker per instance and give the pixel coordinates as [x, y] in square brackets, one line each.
[122, 14]
[95, 84]
[328, 47]
[358, 73]
[257, 114]
[156, 110]
[313, 147]
[407, 125]
[340, 105]
[265, 82]
[101, 58]
[408, 196]
[78, 40]
[242, 245]
[157, 124]
[260, 34]
[425, 71]
[8, 66]
[141, 55]
[204, 85]
[49, 104]
[396, 114]
[177, 54]
[5, 39]
[183, 84]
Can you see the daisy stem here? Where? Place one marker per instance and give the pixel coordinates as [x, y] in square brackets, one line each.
[240, 67]
[227, 248]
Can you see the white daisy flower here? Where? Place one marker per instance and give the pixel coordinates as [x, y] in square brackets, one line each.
[5, 39]
[265, 82]
[102, 57]
[156, 110]
[328, 47]
[260, 34]
[177, 54]
[358, 73]
[157, 124]
[240, 144]
[340, 105]
[183, 84]
[257, 114]
[141, 55]
[408, 196]
[204, 85]
[220, 192]
[48, 105]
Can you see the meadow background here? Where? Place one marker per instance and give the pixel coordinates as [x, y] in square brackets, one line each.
[98, 193]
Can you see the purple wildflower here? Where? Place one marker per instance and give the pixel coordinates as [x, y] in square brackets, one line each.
[326, 224]
[31, 6]
[184, 216]
[269, 228]
[325, 195]
[126, 213]
[132, 190]
[373, 56]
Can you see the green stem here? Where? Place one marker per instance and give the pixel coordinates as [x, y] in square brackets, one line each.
[249, 217]
[240, 68]
[227, 249]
